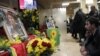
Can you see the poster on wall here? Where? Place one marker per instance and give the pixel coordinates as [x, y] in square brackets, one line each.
[28, 4]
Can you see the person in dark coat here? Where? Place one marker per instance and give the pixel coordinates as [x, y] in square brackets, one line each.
[91, 46]
[78, 25]
[94, 12]
[70, 25]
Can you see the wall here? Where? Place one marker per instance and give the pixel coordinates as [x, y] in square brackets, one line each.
[9, 3]
[58, 14]
[43, 13]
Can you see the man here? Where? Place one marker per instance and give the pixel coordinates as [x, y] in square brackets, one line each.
[91, 46]
[78, 25]
[93, 12]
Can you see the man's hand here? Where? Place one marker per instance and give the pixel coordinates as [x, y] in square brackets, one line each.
[83, 51]
[87, 34]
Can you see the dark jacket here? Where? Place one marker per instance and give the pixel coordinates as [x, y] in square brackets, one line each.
[78, 22]
[93, 44]
[94, 14]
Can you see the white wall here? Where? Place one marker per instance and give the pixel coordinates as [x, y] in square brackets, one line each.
[59, 16]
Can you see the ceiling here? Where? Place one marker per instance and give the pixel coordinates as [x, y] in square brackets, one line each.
[9, 3]
[42, 4]
[51, 3]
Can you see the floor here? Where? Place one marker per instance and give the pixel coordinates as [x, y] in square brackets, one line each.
[68, 46]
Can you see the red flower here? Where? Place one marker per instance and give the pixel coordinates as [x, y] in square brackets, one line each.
[34, 44]
[49, 45]
[44, 44]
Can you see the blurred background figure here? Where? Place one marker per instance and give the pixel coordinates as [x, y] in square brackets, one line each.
[93, 12]
[78, 25]
[44, 26]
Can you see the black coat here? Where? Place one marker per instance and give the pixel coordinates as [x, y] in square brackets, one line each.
[78, 22]
[93, 44]
[94, 14]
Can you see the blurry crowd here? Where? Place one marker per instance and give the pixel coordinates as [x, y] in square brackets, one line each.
[87, 27]
[48, 23]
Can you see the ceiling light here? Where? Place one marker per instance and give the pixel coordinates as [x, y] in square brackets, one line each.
[62, 9]
[78, 0]
[89, 1]
[65, 4]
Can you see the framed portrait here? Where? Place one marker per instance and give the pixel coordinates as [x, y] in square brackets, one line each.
[13, 25]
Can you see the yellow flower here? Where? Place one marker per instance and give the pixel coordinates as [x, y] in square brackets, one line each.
[8, 44]
[29, 49]
[29, 46]
[16, 40]
[37, 32]
[52, 41]
[46, 40]
[37, 49]
[53, 34]
[42, 49]
[33, 18]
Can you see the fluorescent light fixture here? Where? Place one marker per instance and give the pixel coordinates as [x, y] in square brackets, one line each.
[62, 9]
[78, 0]
[65, 4]
[89, 1]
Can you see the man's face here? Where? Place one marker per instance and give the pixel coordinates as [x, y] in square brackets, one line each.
[92, 8]
[88, 26]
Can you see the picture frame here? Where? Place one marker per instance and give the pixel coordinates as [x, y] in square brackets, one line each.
[12, 24]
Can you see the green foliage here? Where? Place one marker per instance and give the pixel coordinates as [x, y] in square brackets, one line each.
[30, 18]
[4, 43]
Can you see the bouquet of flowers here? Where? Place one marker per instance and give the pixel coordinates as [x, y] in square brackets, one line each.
[40, 47]
[4, 43]
[30, 18]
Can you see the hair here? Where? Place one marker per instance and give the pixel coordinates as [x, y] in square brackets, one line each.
[12, 14]
[93, 6]
[94, 21]
[80, 9]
